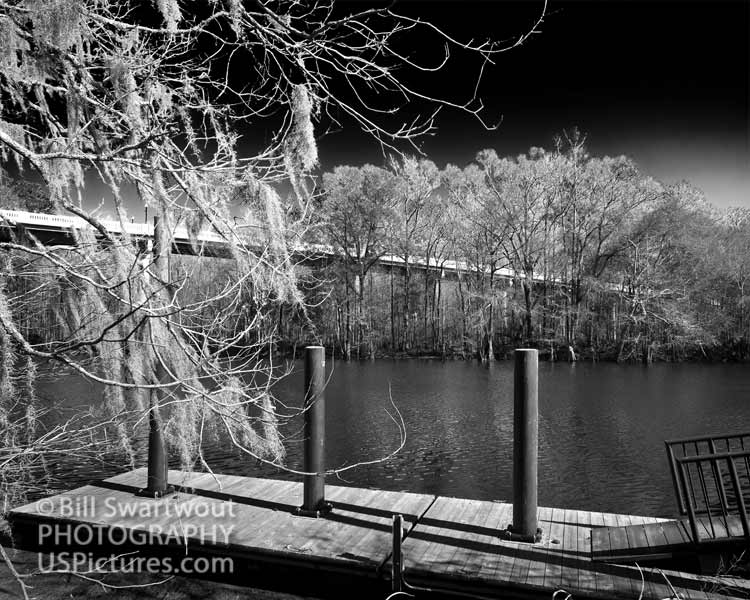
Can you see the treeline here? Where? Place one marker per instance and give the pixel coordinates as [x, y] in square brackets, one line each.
[557, 249]
[560, 250]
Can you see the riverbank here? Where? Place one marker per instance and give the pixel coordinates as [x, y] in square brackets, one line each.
[557, 352]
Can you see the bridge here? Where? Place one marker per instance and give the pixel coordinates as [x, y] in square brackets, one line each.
[58, 230]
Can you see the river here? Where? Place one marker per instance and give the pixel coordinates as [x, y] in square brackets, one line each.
[601, 428]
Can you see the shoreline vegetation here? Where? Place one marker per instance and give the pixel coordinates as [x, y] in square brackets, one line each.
[559, 353]
[562, 251]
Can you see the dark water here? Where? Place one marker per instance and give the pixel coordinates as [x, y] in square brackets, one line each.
[601, 428]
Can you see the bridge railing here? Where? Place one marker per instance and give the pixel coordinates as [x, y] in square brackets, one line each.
[69, 222]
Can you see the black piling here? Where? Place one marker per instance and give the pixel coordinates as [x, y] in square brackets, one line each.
[157, 484]
[525, 444]
[314, 432]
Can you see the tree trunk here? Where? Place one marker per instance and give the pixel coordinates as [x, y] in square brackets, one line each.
[348, 330]
[405, 332]
[393, 314]
[528, 309]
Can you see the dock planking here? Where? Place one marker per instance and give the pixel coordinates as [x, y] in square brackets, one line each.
[634, 539]
[449, 543]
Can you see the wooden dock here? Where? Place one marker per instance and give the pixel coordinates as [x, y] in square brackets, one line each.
[649, 541]
[450, 544]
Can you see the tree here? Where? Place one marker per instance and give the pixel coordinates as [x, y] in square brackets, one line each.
[525, 191]
[735, 248]
[480, 243]
[416, 181]
[661, 271]
[598, 199]
[436, 245]
[165, 108]
[356, 210]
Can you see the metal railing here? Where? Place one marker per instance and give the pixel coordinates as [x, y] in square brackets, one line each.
[711, 476]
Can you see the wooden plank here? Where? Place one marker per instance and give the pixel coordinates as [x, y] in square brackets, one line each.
[569, 572]
[583, 518]
[570, 538]
[642, 520]
[553, 569]
[600, 543]
[625, 579]
[499, 565]
[597, 519]
[135, 478]
[675, 533]
[524, 556]
[618, 540]
[473, 561]
[586, 577]
[507, 567]
[321, 536]
[610, 519]
[521, 563]
[449, 554]
[404, 504]
[535, 563]
[439, 557]
[637, 540]
[601, 573]
[656, 538]
[544, 516]
[430, 538]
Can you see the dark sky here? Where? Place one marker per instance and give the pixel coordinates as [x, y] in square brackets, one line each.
[663, 81]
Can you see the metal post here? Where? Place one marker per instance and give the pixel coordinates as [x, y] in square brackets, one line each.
[314, 432]
[682, 465]
[739, 496]
[156, 481]
[157, 484]
[718, 478]
[397, 562]
[525, 444]
[675, 478]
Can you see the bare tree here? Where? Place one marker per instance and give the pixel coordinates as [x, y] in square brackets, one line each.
[165, 108]
[356, 210]
[525, 192]
[416, 181]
